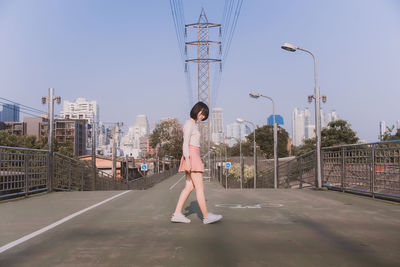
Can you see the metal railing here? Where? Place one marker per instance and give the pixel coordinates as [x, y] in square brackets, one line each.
[23, 171]
[26, 171]
[372, 169]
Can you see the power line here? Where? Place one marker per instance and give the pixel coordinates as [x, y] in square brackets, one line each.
[21, 111]
[22, 105]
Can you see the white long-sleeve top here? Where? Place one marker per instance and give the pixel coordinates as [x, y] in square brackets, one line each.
[191, 136]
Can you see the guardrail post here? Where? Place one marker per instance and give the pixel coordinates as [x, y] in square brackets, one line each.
[50, 161]
[69, 175]
[300, 164]
[372, 182]
[343, 169]
[26, 176]
[82, 171]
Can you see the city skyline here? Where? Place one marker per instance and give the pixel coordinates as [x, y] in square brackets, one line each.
[105, 60]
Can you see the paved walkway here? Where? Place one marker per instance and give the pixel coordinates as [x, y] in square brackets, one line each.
[260, 228]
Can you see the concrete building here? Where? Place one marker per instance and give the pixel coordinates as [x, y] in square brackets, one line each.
[217, 126]
[10, 113]
[33, 126]
[15, 127]
[73, 131]
[81, 109]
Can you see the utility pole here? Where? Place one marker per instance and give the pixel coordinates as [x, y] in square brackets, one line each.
[114, 149]
[114, 167]
[50, 109]
[203, 61]
[94, 135]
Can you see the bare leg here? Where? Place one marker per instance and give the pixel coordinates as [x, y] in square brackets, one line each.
[184, 194]
[197, 178]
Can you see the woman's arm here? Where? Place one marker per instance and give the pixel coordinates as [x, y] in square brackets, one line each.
[187, 132]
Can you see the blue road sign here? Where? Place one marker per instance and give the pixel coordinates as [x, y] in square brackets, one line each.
[278, 119]
[143, 167]
[227, 165]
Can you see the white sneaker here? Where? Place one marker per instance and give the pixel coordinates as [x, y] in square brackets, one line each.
[212, 218]
[179, 218]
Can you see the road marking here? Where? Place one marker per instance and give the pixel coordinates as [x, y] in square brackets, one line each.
[51, 226]
[177, 182]
[256, 206]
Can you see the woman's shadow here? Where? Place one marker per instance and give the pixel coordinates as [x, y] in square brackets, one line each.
[193, 208]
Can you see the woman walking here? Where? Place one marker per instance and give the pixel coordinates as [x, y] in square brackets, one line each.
[191, 164]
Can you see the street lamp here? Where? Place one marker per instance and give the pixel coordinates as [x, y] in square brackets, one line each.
[293, 48]
[257, 95]
[255, 149]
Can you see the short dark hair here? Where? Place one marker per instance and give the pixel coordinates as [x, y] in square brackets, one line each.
[199, 107]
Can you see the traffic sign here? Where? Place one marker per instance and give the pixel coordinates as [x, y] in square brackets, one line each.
[227, 165]
[143, 167]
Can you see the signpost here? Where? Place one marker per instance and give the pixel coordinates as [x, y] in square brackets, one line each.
[143, 167]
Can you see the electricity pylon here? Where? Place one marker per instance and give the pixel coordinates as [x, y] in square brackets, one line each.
[203, 61]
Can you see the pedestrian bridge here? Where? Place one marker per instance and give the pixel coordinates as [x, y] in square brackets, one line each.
[261, 227]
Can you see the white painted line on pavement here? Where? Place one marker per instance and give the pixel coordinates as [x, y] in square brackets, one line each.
[51, 226]
[177, 182]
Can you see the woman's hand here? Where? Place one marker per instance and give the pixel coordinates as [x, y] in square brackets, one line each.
[187, 165]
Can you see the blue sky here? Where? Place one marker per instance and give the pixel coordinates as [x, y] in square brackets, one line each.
[124, 54]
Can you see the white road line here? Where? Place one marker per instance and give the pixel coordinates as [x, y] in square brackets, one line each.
[51, 226]
[177, 182]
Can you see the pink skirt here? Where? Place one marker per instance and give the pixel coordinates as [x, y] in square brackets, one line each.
[195, 160]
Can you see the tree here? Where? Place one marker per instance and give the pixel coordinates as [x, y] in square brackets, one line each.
[338, 132]
[30, 141]
[167, 138]
[265, 140]
[389, 136]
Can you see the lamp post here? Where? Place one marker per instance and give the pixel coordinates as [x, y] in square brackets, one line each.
[254, 149]
[293, 48]
[50, 99]
[257, 95]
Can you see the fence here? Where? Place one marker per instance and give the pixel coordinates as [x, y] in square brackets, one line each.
[372, 169]
[26, 171]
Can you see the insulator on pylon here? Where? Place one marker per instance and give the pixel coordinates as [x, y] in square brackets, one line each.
[186, 50]
[220, 32]
[220, 66]
[185, 32]
[186, 67]
[220, 49]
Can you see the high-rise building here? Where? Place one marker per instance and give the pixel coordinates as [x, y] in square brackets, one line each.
[217, 126]
[382, 128]
[81, 109]
[10, 112]
[322, 117]
[332, 116]
[134, 143]
[307, 123]
[237, 131]
[310, 131]
[298, 127]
